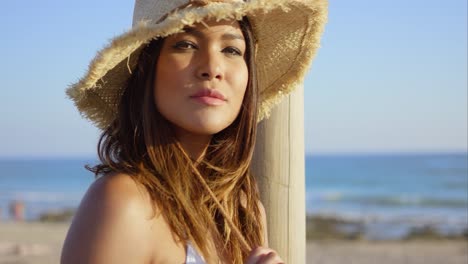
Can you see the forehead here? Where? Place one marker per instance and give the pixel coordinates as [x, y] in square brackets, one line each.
[213, 27]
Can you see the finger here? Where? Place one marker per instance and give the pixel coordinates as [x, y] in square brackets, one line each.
[270, 258]
[257, 254]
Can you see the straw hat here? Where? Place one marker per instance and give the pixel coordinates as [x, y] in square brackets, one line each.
[287, 36]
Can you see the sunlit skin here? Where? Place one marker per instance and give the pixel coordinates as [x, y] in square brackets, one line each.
[200, 60]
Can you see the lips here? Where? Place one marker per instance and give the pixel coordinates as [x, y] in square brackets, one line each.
[209, 97]
[205, 92]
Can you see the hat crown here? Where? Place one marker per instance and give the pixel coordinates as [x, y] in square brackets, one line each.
[154, 10]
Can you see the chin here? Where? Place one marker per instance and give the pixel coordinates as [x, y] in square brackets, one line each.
[207, 127]
[206, 130]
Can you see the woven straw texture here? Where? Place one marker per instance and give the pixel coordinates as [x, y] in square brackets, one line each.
[287, 33]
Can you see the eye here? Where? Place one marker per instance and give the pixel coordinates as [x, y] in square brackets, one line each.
[232, 51]
[185, 45]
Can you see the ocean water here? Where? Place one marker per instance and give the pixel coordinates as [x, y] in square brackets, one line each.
[390, 193]
[43, 185]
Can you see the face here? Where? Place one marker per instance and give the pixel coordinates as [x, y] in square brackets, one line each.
[201, 77]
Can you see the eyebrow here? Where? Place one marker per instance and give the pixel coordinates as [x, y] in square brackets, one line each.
[225, 36]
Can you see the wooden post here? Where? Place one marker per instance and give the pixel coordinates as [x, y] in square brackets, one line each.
[279, 166]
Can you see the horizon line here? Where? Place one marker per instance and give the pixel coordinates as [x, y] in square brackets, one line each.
[306, 153]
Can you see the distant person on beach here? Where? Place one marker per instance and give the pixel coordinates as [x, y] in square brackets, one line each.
[178, 98]
[17, 209]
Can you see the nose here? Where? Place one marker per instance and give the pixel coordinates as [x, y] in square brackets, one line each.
[210, 66]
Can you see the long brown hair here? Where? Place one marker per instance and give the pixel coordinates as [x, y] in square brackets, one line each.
[195, 199]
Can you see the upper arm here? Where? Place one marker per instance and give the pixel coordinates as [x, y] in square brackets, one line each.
[264, 223]
[110, 226]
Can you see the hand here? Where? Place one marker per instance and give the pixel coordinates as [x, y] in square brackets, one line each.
[263, 255]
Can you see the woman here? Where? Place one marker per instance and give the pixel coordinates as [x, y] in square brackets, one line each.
[178, 98]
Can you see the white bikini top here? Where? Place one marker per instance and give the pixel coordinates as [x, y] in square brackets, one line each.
[192, 256]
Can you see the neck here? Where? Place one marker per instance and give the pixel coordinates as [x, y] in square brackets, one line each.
[194, 145]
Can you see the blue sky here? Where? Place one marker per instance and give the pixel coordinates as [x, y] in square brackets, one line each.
[391, 76]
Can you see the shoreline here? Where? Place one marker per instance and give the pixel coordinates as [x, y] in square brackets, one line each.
[322, 227]
[335, 228]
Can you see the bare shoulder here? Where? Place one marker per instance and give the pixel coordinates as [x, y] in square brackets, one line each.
[263, 216]
[113, 224]
[264, 222]
[262, 209]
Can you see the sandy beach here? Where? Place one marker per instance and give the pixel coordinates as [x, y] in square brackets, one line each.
[40, 243]
[31, 242]
[388, 252]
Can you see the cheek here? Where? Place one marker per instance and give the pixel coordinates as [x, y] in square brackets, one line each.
[164, 82]
[170, 74]
[240, 79]
[168, 69]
